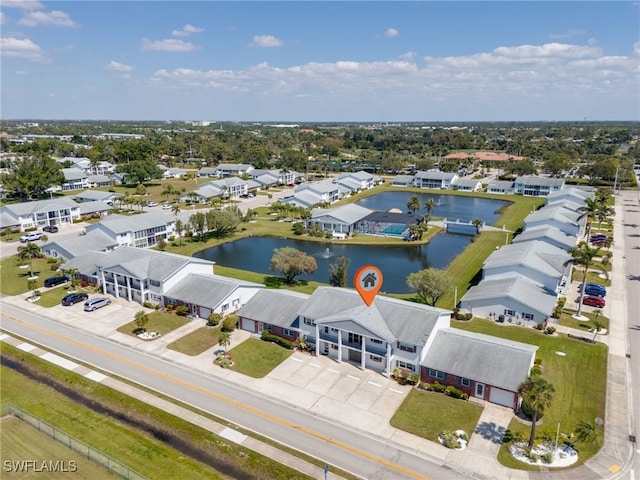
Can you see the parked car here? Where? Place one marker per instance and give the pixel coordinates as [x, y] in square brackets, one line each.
[166, 206]
[30, 237]
[593, 301]
[50, 229]
[74, 298]
[151, 204]
[595, 236]
[95, 303]
[53, 281]
[595, 289]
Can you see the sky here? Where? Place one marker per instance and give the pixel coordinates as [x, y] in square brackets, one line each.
[329, 61]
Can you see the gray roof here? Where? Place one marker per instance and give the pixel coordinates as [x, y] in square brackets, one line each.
[529, 180]
[403, 179]
[146, 264]
[515, 287]
[234, 166]
[98, 178]
[303, 199]
[73, 173]
[94, 207]
[349, 183]
[467, 182]
[500, 185]
[561, 215]
[534, 254]
[276, 307]
[360, 175]
[206, 290]
[546, 232]
[207, 170]
[27, 208]
[483, 358]
[386, 318]
[578, 195]
[133, 223]
[349, 214]
[435, 174]
[75, 246]
[85, 262]
[91, 195]
[324, 186]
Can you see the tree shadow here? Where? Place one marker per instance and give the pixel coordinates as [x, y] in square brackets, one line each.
[635, 327]
[490, 431]
[634, 277]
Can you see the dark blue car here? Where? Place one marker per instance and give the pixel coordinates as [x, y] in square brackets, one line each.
[595, 289]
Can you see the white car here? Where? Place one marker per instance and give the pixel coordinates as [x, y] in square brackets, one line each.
[151, 204]
[166, 206]
[30, 237]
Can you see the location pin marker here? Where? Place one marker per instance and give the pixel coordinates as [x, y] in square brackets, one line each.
[368, 280]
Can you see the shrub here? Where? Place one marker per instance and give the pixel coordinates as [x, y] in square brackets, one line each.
[438, 387]
[460, 316]
[550, 330]
[453, 392]
[538, 361]
[298, 228]
[149, 304]
[414, 378]
[539, 326]
[468, 316]
[182, 311]
[213, 320]
[547, 458]
[535, 371]
[230, 323]
[170, 306]
[450, 439]
[283, 342]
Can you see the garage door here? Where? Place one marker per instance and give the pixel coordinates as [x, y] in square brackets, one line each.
[501, 397]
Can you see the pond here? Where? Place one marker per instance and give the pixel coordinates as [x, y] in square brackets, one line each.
[451, 207]
[395, 261]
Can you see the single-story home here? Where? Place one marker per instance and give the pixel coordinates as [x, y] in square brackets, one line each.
[341, 219]
[95, 195]
[273, 310]
[403, 181]
[549, 234]
[69, 248]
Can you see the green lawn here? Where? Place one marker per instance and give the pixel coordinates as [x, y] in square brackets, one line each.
[14, 278]
[53, 297]
[256, 358]
[452, 414]
[160, 322]
[197, 341]
[579, 378]
[568, 321]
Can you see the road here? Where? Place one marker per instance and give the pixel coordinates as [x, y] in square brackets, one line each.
[629, 203]
[355, 451]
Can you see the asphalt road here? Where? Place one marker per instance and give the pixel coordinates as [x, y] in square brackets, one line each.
[355, 451]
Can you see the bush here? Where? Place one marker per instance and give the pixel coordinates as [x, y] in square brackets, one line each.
[170, 306]
[538, 361]
[535, 371]
[213, 320]
[547, 458]
[450, 439]
[468, 316]
[460, 316]
[149, 305]
[453, 392]
[298, 228]
[182, 311]
[550, 330]
[438, 387]
[283, 342]
[230, 323]
[539, 326]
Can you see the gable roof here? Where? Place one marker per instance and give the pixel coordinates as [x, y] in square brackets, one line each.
[483, 358]
[546, 232]
[28, 208]
[534, 254]
[75, 246]
[92, 195]
[133, 223]
[275, 307]
[435, 174]
[206, 290]
[500, 185]
[349, 214]
[532, 180]
[387, 318]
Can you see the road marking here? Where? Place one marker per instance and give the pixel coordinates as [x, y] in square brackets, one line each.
[396, 391]
[333, 371]
[296, 360]
[61, 362]
[614, 468]
[27, 347]
[95, 376]
[373, 383]
[352, 377]
[314, 365]
[255, 411]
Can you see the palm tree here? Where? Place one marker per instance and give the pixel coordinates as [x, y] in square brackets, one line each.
[414, 204]
[141, 319]
[597, 326]
[538, 393]
[224, 340]
[590, 211]
[428, 205]
[583, 255]
[586, 432]
[72, 272]
[175, 209]
[29, 251]
[477, 223]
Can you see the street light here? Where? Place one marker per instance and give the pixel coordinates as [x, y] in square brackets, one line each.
[555, 449]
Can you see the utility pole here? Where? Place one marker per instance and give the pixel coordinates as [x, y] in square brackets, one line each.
[615, 182]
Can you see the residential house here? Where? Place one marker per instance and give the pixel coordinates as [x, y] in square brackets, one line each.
[500, 187]
[533, 186]
[95, 195]
[403, 181]
[569, 194]
[435, 179]
[357, 181]
[174, 173]
[229, 187]
[75, 179]
[232, 169]
[69, 248]
[540, 262]
[341, 219]
[311, 194]
[548, 234]
[485, 367]
[560, 218]
[36, 214]
[273, 310]
[513, 299]
[141, 230]
[95, 209]
[208, 172]
[273, 177]
[468, 185]
[98, 180]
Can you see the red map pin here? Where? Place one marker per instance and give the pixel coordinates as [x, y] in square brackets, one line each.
[368, 280]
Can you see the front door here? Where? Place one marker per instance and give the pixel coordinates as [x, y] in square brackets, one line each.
[480, 390]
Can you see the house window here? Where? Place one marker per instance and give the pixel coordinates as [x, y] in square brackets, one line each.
[309, 321]
[465, 382]
[406, 348]
[225, 307]
[287, 332]
[236, 302]
[376, 341]
[405, 365]
[154, 283]
[527, 316]
[436, 374]
[375, 358]
[269, 327]
[334, 346]
[510, 313]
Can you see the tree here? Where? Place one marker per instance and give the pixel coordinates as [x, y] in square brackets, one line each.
[538, 393]
[140, 171]
[597, 326]
[29, 252]
[414, 204]
[175, 209]
[430, 284]
[198, 222]
[72, 272]
[291, 263]
[477, 223]
[583, 255]
[338, 272]
[586, 432]
[224, 340]
[428, 205]
[590, 211]
[30, 177]
[141, 319]
[179, 230]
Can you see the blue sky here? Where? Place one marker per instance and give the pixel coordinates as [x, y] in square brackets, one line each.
[321, 61]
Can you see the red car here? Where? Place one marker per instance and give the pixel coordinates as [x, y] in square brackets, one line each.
[593, 301]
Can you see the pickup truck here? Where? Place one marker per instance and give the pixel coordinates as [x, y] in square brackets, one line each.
[30, 237]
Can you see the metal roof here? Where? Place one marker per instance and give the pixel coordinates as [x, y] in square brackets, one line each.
[275, 307]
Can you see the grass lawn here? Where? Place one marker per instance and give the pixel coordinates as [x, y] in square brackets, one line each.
[20, 441]
[452, 414]
[14, 279]
[568, 321]
[160, 322]
[579, 378]
[197, 341]
[256, 358]
[52, 297]
[270, 281]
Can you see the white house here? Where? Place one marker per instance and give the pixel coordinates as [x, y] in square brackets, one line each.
[310, 194]
[555, 217]
[229, 187]
[403, 181]
[548, 234]
[468, 185]
[357, 181]
[95, 195]
[500, 187]
[435, 179]
[55, 211]
[233, 169]
[75, 179]
[69, 248]
[341, 219]
[533, 186]
[141, 230]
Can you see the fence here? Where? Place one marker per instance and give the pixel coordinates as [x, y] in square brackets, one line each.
[73, 443]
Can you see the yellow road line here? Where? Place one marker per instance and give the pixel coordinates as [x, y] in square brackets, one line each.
[220, 397]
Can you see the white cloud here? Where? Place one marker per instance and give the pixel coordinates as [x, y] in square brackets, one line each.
[54, 18]
[24, 4]
[407, 56]
[22, 48]
[168, 45]
[391, 32]
[265, 41]
[22, 72]
[186, 31]
[114, 66]
[568, 34]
